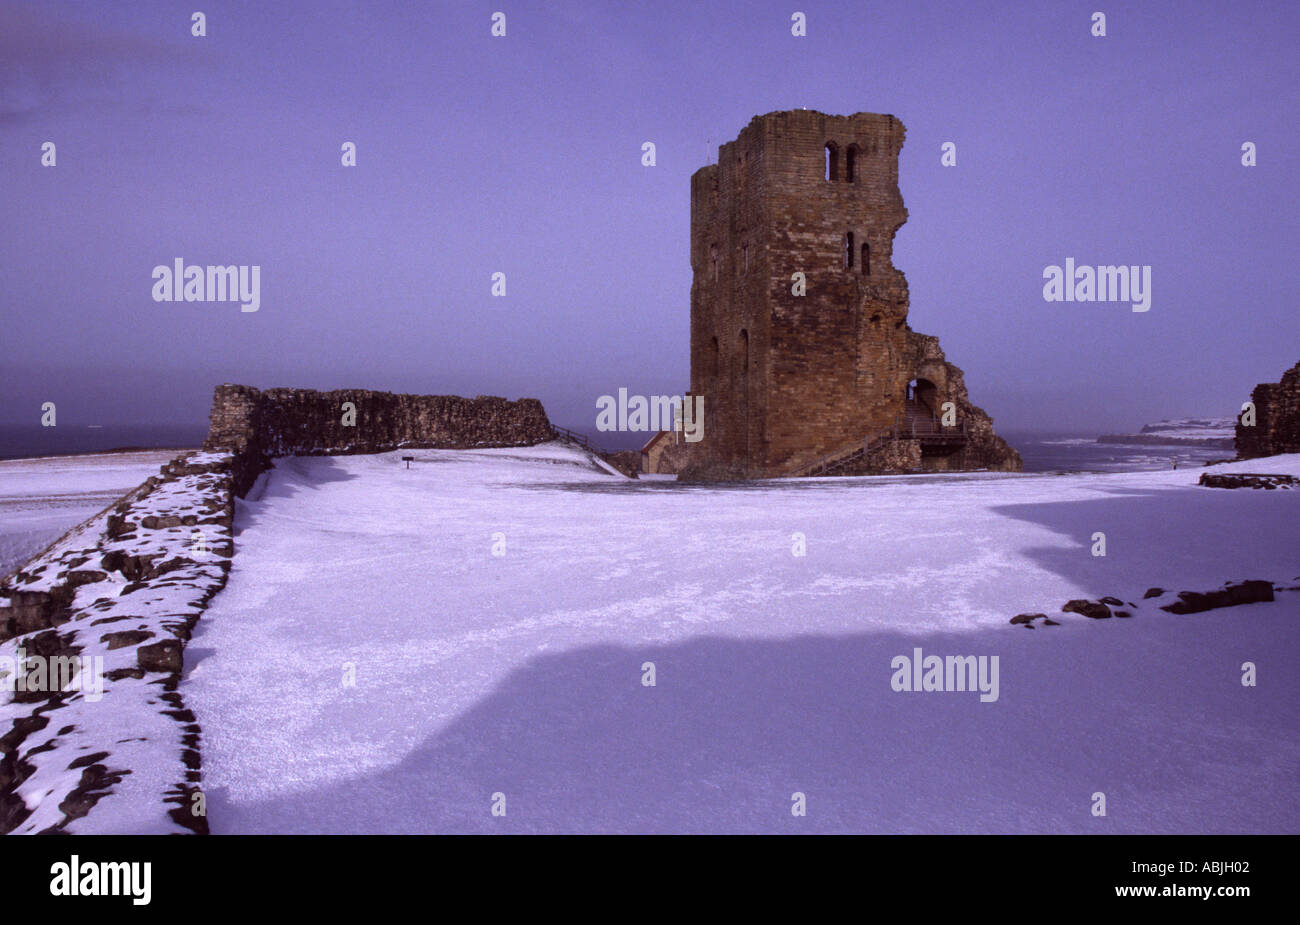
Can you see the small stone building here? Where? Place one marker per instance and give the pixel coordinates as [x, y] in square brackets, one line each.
[665, 453]
[653, 450]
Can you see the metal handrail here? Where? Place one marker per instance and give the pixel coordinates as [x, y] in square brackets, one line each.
[930, 427]
[581, 439]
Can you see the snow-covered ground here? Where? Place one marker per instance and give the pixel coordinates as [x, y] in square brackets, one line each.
[41, 498]
[515, 680]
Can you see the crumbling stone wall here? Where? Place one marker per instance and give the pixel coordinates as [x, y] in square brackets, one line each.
[984, 449]
[259, 425]
[1277, 418]
[124, 588]
[786, 378]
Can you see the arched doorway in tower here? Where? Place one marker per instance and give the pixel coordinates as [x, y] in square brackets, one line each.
[922, 409]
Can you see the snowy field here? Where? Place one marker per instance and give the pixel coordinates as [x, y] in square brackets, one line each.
[42, 498]
[520, 674]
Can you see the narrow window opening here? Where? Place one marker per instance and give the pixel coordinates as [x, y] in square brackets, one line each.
[866, 259]
[832, 161]
[850, 163]
[848, 251]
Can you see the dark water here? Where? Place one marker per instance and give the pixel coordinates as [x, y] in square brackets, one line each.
[1049, 452]
[63, 439]
[1042, 452]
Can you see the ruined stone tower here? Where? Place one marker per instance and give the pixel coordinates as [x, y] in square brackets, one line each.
[833, 380]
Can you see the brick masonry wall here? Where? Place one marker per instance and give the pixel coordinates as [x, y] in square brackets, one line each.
[1277, 418]
[260, 425]
[788, 379]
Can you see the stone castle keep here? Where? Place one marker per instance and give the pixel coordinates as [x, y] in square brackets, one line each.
[831, 381]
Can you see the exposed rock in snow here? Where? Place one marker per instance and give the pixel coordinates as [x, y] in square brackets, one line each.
[98, 739]
[1249, 480]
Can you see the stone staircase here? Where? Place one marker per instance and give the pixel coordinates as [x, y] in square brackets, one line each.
[916, 423]
[838, 461]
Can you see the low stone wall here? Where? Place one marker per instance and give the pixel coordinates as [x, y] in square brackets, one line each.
[1277, 418]
[109, 747]
[1269, 481]
[258, 425]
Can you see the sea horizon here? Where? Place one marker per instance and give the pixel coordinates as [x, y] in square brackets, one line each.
[1042, 450]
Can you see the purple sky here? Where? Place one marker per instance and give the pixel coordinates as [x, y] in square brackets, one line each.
[522, 154]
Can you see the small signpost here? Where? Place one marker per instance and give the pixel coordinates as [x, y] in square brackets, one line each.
[408, 460]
